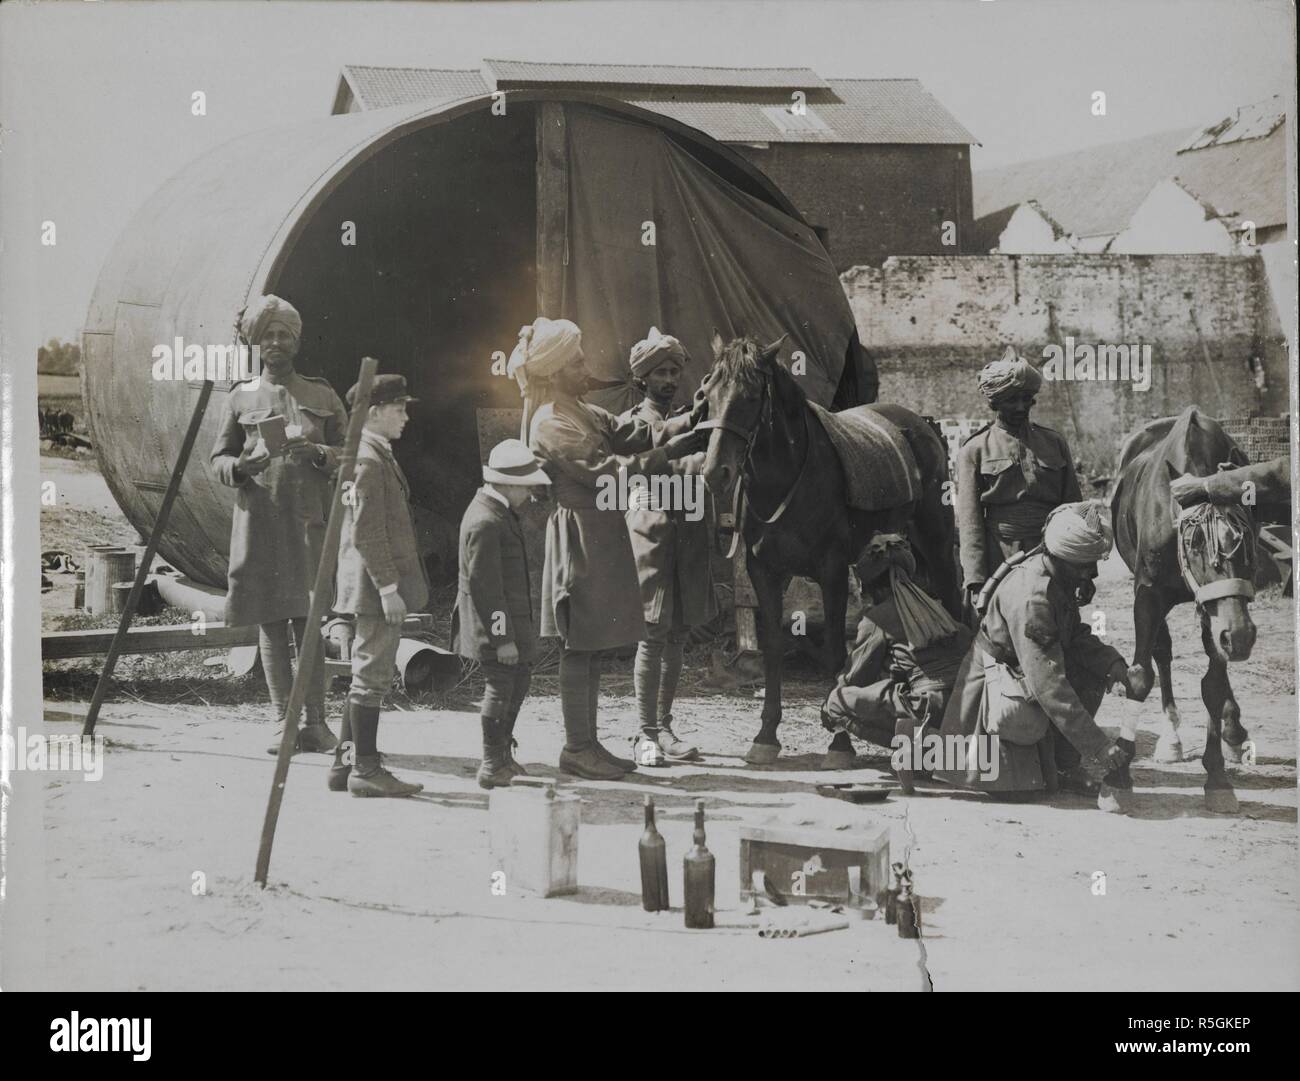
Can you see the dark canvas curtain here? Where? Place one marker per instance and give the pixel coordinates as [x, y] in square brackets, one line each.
[720, 258]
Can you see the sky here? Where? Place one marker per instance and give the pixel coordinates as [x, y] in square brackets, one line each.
[95, 96]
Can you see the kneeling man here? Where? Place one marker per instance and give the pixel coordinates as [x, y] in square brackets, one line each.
[901, 669]
[1035, 675]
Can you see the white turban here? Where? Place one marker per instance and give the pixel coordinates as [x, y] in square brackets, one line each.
[653, 350]
[1078, 532]
[264, 311]
[543, 349]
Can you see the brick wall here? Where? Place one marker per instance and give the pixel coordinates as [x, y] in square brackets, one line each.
[931, 323]
[874, 201]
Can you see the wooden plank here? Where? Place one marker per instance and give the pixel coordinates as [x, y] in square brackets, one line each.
[552, 207]
[813, 837]
[60, 645]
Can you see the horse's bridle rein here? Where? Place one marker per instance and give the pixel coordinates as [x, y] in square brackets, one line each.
[740, 505]
[1200, 517]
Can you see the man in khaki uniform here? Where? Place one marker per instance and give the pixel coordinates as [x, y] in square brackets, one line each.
[672, 553]
[1035, 676]
[1010, 475]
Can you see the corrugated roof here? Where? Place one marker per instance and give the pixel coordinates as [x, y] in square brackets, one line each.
[1089, 192]
[1243, 179]
[378, 88]
[1253, 121]
[853, 111]
[531, 73]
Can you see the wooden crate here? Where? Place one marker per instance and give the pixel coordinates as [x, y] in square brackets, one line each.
[806, 863]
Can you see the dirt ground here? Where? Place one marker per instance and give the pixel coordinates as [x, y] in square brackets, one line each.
[149, 870]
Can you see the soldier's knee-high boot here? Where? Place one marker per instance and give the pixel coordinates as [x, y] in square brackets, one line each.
[593, 706]
[580, 756]
[315, 735]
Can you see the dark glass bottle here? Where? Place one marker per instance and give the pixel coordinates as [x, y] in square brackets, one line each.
[891, 894]
[654, 863]
[698, 872]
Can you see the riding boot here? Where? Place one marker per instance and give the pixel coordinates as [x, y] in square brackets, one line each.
[344, 753]
[593, 702]
[494, 771]
[579, 756]
[315, 735]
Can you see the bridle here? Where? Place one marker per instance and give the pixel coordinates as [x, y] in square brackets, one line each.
[1200, 518]
[740, 505]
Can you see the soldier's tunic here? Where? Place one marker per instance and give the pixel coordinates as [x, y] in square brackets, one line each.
[591, 595]
[279, 520]
[1033, 626]
[672, 552]
[1006, 485]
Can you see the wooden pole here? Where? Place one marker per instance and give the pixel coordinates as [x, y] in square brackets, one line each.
[311, 649]
[146, 560]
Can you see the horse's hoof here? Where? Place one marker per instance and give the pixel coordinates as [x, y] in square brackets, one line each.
[1168, 750]
[1233, 754]
[838, 760]
[1139, 683]
[762, 754]
[1221, 801]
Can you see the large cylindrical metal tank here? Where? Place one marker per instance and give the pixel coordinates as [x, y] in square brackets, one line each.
[409, 234]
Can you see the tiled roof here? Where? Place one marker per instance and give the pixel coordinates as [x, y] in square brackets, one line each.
[851, 111]
[1089, 192]
[1241, 179]
[529, 73]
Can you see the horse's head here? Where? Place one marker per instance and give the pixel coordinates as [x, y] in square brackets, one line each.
[1217, 557]
[739, 391]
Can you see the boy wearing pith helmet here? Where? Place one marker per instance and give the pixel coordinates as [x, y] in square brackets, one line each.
[380, 579]
[493, 622]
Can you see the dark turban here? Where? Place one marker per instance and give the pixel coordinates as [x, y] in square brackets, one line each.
[1008, 376]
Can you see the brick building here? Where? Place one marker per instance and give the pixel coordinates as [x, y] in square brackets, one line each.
[877, 166]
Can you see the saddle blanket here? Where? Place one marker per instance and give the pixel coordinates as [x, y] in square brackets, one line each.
[879, 465]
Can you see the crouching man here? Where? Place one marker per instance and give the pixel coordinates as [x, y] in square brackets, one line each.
[380, 579]
[901, 668]
[1035, 676]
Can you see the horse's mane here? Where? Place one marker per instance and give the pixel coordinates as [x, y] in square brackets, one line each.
[739, 362]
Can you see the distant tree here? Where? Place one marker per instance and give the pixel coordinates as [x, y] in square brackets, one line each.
[58, 358]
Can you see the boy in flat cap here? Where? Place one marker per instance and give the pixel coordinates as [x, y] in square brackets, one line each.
[380, 579]
[493, 621]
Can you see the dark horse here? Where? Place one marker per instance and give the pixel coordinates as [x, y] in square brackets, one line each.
[1203, 553]
[797, 520]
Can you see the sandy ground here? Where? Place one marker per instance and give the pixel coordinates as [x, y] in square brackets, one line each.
[397, 894]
